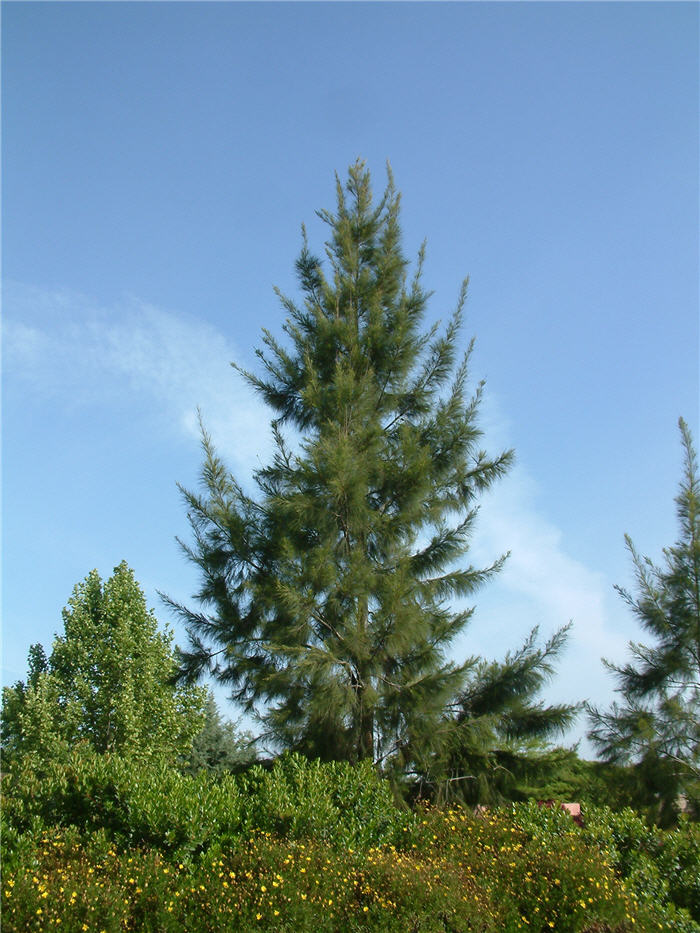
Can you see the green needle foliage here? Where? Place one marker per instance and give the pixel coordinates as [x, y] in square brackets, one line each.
[494, 741]
[657, 723]
[327, 598]
[108, 682]
[220, 746]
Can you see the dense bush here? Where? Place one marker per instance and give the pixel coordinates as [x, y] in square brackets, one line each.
[663, 865]
[157, 806]
[452, 873]
[94, 845]
[333, 802]
[152, 806]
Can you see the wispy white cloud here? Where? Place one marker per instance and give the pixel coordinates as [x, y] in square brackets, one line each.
[63, 345]
[542, 584]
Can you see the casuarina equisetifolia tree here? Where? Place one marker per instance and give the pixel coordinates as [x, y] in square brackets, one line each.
[328, 597]
[656, 724]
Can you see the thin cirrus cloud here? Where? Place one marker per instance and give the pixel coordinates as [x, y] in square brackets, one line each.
[68, 350]
[544, 585]
[541, 584]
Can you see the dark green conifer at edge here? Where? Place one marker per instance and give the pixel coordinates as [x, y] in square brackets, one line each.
[327, 599]
[656, 724]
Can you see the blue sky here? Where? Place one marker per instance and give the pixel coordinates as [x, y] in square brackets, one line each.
[158, 161]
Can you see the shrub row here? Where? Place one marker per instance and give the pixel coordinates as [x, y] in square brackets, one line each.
[461, 874]
[100, 837]
[158, 807]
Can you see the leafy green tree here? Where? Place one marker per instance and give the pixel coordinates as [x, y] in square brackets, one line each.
[327, 597]
[108, 682]
[657, 723]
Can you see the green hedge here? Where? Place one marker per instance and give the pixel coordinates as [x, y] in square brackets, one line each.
[156, 848]
[158, 807]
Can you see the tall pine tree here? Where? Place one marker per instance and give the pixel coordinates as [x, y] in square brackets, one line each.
[656, 726]
[328, 597]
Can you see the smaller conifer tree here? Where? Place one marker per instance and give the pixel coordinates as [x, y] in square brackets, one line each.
[656, 725]
[220, 746]
[329, 600]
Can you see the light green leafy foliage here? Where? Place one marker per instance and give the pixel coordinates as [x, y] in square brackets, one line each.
[107, 684]
[153, 805]
[334, 802]
[156, 805]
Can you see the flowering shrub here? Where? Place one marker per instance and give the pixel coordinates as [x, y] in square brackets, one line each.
[662, 865]
[307, 846]
[450, 871]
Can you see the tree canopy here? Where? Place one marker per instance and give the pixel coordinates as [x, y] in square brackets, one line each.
[108, 681]
[220, 745]
[328, 598]
[493, 741]
[656, 725]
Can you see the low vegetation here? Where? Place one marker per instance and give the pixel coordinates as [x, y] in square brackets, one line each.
[91, 845]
